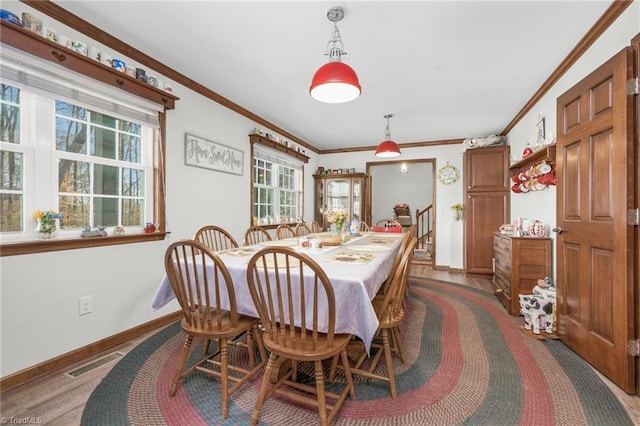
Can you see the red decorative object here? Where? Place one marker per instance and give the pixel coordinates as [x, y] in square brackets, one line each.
[149, 228]
[527, 151]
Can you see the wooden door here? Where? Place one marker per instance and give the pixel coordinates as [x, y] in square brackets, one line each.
[486, 204]
[595, 189]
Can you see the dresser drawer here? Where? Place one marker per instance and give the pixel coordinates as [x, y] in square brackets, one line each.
[502, 244]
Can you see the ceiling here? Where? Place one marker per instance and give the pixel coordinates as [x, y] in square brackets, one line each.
[446, 69]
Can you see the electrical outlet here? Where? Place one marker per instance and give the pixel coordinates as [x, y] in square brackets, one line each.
[86, 305]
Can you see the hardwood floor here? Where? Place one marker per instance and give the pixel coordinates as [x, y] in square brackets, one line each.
[57, 399]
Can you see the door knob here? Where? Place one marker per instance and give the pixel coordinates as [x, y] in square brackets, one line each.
[559, 230]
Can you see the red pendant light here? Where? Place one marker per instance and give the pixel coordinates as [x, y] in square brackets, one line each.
[387, 148]
[335, 82]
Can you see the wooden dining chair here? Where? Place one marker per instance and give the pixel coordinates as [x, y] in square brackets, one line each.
[390, 312]
[204, 288]
[396, 264]
[299, 318]
[284, 231]
[216, 238]
[364, 227]
[316, 228]
[254, 235]
[302, 229]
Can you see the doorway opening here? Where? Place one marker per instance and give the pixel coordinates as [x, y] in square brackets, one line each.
[409, 183]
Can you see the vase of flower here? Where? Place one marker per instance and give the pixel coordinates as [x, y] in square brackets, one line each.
[47, 224]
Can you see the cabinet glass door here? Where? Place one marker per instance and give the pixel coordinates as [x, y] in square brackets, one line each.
[338, 194]
[357, 197]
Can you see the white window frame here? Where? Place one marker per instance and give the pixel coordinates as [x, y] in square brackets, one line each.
[37, 127]
[277, 162]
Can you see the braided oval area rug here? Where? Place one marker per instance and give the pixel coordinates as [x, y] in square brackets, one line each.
[466, 363]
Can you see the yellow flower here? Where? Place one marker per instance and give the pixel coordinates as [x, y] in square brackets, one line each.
[457, 206]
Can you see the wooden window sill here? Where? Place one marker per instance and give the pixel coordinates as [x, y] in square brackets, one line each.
[58, 244]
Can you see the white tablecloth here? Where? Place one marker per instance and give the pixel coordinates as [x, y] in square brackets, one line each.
[354, 284]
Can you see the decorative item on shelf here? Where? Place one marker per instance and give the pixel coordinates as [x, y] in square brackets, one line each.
[47, 223]
[457, 211]
[149, 228]
[97, 231]
[335, 82]
[534, 178]
[537, 229]
[387, 148]
[119, 230]
[540, 130]
[527, 151]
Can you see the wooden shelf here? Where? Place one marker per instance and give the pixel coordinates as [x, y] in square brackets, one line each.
[340, 175]
[39, 46]
[547, 153]
[278, 147]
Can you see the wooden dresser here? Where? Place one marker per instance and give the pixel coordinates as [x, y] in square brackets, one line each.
[519, 262]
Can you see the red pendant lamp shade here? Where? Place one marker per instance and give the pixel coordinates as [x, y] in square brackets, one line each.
[387, 148]
[335, 82]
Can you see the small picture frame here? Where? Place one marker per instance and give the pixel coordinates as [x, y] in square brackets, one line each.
[540, 131]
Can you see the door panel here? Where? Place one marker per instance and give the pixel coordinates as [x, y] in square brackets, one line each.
[595, 177]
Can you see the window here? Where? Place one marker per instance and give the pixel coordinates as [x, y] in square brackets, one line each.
[70, 144]
[277, 189]
[11, 161]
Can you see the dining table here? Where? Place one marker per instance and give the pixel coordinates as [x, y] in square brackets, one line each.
[357, 269]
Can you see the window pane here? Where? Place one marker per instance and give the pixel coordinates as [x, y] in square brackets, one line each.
[130, 148]
[73, 176]
[105, 120]
[105, 211]
[11, 176]
[71, 136]
[11, 214]
[130, 127]
[70, 110]
[9, 114]
[103, 142]
[132, 212]
[75, 211]
[105, 180]
[132, 182]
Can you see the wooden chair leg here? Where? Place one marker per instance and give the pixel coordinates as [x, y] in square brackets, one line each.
[257, 337]
[347, 374]
[386, 346]
[205, 346]
[224, 376]
[183, 358]
[397, 340]
[251, 349]
[322, 401]
[263, 389]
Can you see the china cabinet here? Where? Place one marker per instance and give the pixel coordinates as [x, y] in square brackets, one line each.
[340, 191]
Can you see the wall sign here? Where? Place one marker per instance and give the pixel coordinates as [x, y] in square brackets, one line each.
[448, 174]
[199, 152]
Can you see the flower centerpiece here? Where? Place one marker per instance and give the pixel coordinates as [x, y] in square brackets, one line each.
[47, 223]
[338, 218]
[457, 211]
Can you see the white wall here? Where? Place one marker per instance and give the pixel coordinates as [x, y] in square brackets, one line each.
[39, 292]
